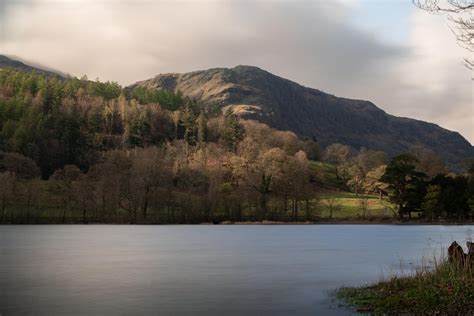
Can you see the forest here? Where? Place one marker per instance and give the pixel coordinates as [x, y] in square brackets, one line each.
[80, 151]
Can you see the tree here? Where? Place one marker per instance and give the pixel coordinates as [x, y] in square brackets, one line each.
[85, 194]
[432, 202]
[176, 117]
[399, 175]
[364, 205]
[312, 149]
[470, 202]
[234, 131]
[372, 182]
[201, 123]
[7, 191]
[428, 162]
[62, 183]
[338, 154]
[23, 167]
[188, 120]
[333, 204]
[356, 180]
[102, 186]
[147, 173]
[468, 166]
[460, 15]
[455, 195]
[370, 159]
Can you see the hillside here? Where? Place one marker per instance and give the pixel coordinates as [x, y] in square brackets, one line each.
[6, 62]
[286, 105]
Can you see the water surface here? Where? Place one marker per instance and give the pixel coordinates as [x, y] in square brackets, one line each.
[202, 270]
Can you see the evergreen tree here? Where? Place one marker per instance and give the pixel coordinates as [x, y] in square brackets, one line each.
[201, 129]
[432, 202]
[234, 131]
[400, 175]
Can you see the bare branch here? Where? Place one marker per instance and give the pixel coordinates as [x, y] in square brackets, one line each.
[460, 14]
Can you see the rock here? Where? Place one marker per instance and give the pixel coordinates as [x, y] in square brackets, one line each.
[470, 248]
[470, 252]
[456, 254]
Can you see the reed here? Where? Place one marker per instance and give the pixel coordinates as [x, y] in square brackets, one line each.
[438, 288]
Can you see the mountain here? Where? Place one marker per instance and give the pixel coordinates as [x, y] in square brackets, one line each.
[6, 62]
[257, 94]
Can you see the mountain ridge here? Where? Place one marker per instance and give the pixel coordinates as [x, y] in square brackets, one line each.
[7, 62]
[257, 94]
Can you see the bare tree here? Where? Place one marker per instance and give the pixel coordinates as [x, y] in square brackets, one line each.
[460, 14]
[332, 204]
[7, 191]
[63, 184]
[364, 206]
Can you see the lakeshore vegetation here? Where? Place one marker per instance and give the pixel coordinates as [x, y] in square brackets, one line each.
[445, 289]
[81, 151]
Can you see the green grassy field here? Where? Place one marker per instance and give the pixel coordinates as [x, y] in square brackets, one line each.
[349, 205]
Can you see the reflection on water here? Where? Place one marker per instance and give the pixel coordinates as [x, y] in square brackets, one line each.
[207, 270]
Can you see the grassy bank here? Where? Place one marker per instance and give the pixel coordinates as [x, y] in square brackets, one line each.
[444, 290]
[349, 205]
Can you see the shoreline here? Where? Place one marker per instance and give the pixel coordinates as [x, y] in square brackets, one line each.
[263, 223]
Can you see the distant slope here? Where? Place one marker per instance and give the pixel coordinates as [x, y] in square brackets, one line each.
[283, 104]
[6, 62]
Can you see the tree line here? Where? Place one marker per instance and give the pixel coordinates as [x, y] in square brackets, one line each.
[75, 150]
[417, 182]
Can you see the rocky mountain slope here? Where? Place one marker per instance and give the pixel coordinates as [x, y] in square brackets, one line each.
[283, 104]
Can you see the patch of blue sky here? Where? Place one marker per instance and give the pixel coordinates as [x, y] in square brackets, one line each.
[388, 20]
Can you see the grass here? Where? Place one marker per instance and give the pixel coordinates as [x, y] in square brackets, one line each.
[446, 289]
[348, 203]
[349, 206]
[326, 173]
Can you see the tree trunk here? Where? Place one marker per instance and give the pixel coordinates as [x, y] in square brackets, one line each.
[28, 209]
[3, 209]
[145, 205]
[145, 208]
[307, 211]
[64, 212]
[103, 207]
[263, 206]
[84, 217]
[296, 211]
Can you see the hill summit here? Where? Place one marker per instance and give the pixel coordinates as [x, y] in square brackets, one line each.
[283, 104]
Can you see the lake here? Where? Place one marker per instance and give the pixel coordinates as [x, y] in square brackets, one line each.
[202, 269]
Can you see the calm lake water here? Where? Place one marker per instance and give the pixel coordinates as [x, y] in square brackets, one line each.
[203, 270]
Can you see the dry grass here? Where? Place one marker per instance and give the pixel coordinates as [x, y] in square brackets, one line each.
[442, 289]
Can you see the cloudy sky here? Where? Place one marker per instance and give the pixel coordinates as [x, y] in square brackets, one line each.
[403, 59]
